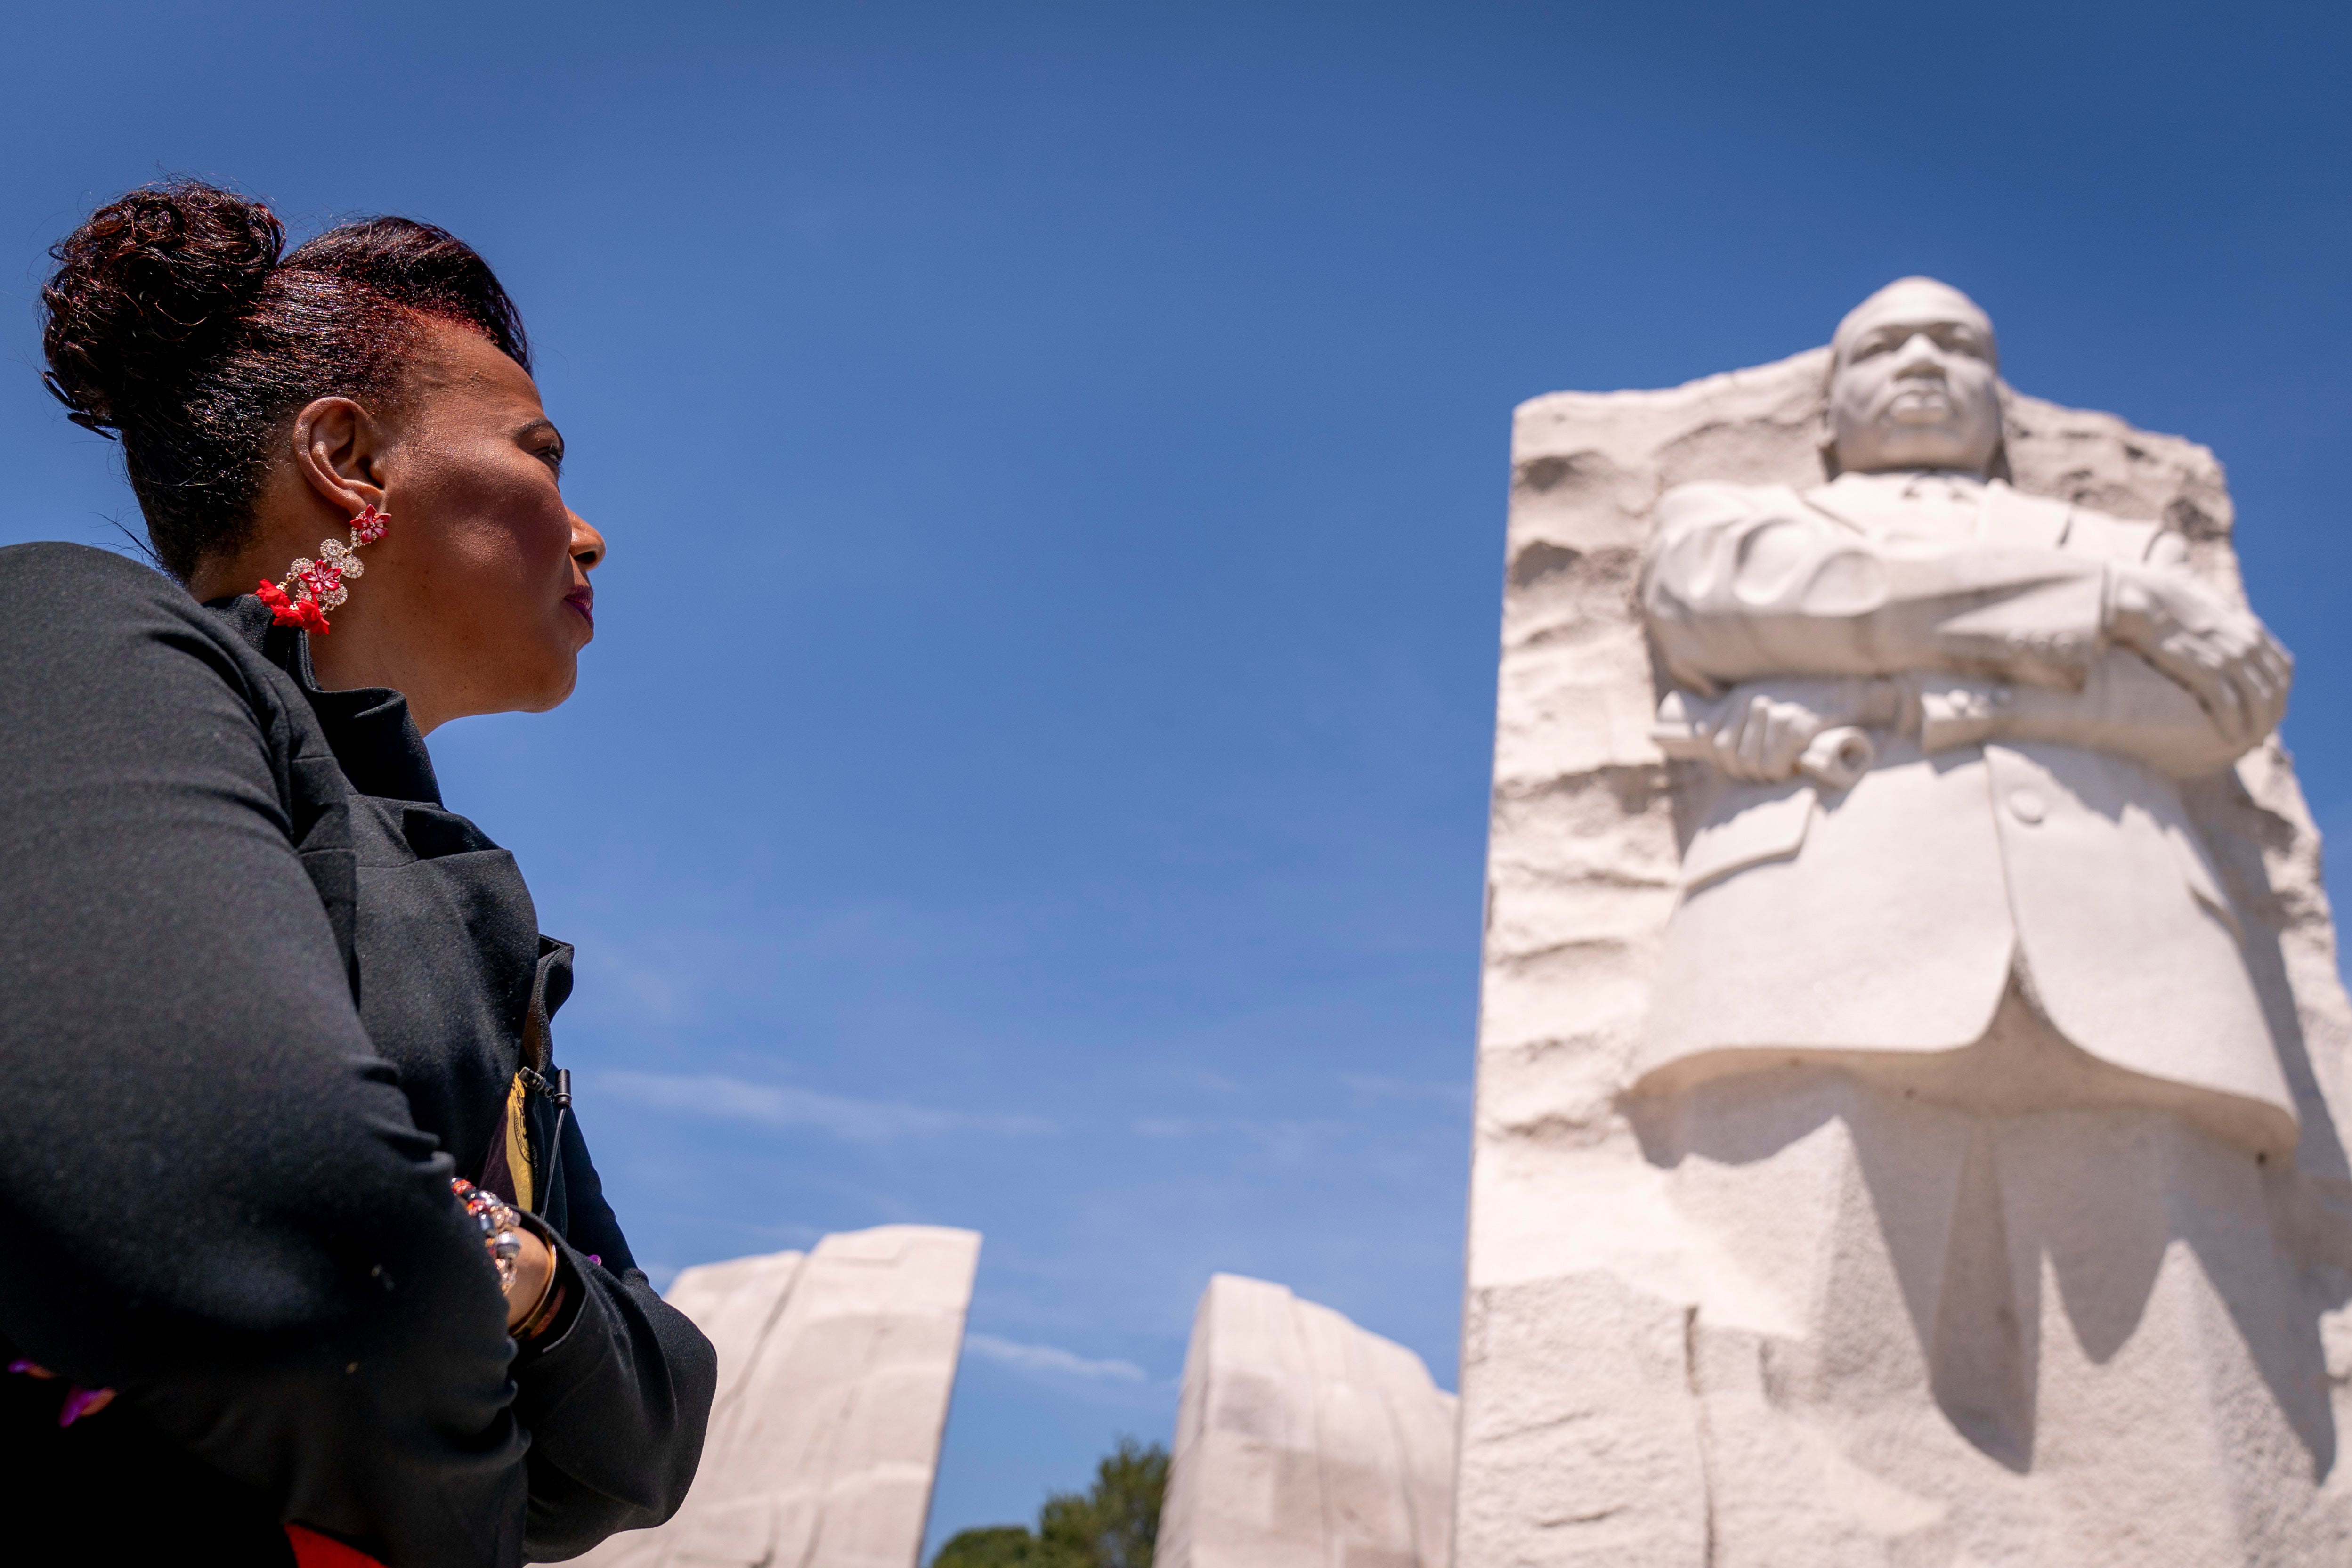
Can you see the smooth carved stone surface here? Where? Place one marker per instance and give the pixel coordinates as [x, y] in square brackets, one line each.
[1838, 1307]
[1302, 1441]
[835, 1369]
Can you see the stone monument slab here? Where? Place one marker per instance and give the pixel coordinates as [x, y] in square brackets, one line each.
[835, 1369]
[1910, 1028]
[1303, 1441]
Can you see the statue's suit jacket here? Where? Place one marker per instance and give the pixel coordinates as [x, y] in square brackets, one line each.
[2026, 817]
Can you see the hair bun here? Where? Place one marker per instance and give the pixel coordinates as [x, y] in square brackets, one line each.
[149, 291]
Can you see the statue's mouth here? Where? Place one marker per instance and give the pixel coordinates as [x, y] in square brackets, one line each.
[1920, 405]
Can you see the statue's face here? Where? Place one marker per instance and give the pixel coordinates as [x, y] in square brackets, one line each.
[1916, 383]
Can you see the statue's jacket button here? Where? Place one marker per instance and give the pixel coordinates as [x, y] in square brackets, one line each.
[2027, 806]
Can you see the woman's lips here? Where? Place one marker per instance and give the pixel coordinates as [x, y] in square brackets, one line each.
[584, 601]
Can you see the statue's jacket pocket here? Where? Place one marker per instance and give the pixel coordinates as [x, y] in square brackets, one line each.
[1750, 823]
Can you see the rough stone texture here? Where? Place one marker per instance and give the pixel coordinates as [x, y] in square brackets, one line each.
[1745, 1325]
[1302, 1441]
[834, 1375]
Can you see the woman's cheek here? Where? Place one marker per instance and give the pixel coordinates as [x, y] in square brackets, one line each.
[550, 544]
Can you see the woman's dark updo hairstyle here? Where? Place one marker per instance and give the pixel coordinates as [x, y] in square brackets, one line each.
[176, 318]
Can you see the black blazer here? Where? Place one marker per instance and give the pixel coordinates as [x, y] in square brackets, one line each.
[260, 996]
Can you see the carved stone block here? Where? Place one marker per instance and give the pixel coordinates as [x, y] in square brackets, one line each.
[1302, 1441]
[1813, 1311]
[835, 1369]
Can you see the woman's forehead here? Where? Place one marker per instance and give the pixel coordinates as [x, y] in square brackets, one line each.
[453, 357]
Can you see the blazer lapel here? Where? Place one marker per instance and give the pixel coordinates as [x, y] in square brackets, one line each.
[2009, 520]
[1824, 499]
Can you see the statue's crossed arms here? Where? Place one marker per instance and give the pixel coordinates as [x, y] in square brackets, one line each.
[1947, 719]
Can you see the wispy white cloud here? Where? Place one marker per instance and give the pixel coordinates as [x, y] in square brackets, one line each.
[1284, 1141]
[1051, 1360]
[780, 1105]
[1374, 1088]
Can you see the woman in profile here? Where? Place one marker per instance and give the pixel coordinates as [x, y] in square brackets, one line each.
[302, 1256]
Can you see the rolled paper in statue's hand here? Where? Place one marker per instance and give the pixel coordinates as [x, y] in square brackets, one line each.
[1834, 758]
[1677, 729]
[1837, 756]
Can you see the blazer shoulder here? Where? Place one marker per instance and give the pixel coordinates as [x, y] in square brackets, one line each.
[2019, 518]
[2112, 538]
[1712, 501]
[70, 594]
[75, 616]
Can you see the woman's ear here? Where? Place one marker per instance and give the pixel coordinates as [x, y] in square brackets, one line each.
[339, 451]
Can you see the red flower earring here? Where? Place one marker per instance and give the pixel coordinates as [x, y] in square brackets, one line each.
[311, 588]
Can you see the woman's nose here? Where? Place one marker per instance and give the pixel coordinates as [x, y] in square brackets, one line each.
[587, 544]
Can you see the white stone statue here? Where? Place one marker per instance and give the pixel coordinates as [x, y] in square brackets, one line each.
[2011, 871]
[1911, 1041]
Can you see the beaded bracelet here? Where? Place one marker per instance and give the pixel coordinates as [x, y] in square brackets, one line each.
[502, 1235]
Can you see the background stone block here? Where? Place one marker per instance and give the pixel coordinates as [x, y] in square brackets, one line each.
[835, 1369]
[1302, 1441]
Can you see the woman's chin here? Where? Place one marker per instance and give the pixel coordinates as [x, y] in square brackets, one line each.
[554, 693]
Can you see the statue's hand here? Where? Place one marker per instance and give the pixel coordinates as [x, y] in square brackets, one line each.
[2227, 660]
[1759, 738]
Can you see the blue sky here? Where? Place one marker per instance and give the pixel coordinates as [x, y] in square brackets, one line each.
[1032, 771]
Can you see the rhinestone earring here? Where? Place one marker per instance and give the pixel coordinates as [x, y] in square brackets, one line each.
[311, 588]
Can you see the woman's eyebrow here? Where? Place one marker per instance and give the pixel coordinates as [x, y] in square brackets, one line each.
[538, 424]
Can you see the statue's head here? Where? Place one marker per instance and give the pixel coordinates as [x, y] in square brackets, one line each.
[1914, 382]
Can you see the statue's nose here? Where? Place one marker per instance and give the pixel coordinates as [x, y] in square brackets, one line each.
[1920, 356]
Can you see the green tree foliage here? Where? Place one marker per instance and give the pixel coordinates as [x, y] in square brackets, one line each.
[990, 1546]
[1112, 1524]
